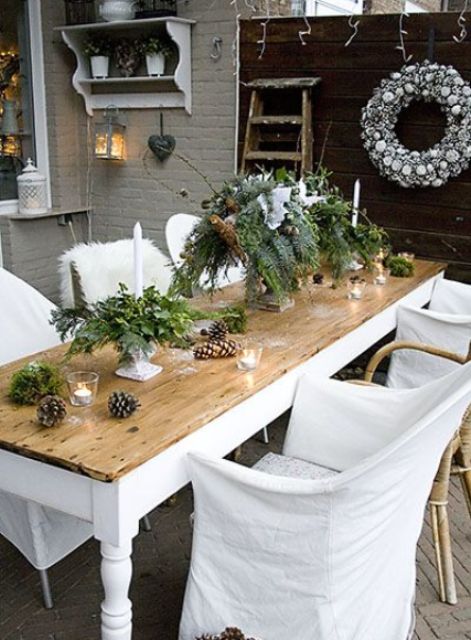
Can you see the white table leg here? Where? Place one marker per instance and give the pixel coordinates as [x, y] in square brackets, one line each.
[116, 609]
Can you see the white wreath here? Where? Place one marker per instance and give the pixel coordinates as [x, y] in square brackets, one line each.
[446, 159]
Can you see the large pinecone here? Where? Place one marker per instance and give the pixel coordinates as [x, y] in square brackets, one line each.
[232, 633]
[51, 411]
[122, 404]
[218, 330]
[216, 349]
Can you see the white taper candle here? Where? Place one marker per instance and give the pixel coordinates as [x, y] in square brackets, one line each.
[138, 262]
[356, 202]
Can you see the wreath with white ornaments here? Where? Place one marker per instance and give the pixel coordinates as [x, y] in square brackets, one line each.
[429, 82]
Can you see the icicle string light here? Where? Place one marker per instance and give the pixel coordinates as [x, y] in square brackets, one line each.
[402, 32]
[263, 40]
[307, 32]
[462, 25]
[353, 24]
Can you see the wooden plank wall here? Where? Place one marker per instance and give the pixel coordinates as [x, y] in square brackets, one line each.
[434, 223]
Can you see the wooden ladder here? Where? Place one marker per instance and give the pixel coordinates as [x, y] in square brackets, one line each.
[257, 121]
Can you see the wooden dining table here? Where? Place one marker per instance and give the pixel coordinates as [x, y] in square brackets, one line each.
[112, 472]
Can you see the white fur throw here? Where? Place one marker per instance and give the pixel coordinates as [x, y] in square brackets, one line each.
[102, 266]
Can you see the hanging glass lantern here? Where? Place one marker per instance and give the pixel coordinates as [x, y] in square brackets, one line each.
[109, 136]
[32, 191]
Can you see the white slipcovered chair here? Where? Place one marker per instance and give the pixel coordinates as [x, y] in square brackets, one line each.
[449, 296]
[177, 230]
[91, 272]
[429, 344]
[320, 543]
[44, 536]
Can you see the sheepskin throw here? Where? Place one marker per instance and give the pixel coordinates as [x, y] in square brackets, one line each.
[102, 266]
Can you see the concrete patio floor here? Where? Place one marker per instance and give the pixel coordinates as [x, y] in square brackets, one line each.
[160, 567]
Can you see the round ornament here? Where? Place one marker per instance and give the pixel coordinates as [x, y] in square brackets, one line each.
[430, 82]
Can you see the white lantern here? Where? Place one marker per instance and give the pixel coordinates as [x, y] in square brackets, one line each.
[32, 191]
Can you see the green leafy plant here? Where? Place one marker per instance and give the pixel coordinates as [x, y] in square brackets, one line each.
[34, 381]
[156, 44]
[240, 225]
[400, 267]
[130, 324]
[339, 240]
[98, 44]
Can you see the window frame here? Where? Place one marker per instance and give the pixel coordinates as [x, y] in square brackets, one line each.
[38, 90]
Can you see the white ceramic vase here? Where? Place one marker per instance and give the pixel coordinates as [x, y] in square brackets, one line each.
[117, 10]
[155, 63]
[100, 66]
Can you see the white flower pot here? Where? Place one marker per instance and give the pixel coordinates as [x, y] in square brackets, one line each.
[100, 66]
[116, 10]
[155, 63]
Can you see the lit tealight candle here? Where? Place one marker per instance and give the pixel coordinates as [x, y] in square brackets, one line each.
[83, 396]
[356, 288]
[82, 388]
[249, 358]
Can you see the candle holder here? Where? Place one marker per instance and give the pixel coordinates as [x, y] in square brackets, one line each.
[139, 368]
[83, 386]
[248, 358]
[381, 275]
[356, 288]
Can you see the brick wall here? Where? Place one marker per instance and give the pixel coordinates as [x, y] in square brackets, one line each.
[144, 189]
[396, 6]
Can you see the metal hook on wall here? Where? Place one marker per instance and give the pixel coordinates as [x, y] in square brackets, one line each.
[217, 48]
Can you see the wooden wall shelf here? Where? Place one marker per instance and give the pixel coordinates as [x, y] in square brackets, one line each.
[137, 92]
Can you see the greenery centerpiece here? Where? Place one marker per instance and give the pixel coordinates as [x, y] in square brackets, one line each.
[278, 230]
[134, 326]
[131, 324]
[340, 242]
[256, 223]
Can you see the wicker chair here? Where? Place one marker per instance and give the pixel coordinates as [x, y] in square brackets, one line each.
[455, 460]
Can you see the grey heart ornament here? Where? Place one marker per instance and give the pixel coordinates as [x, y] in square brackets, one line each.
[161, 146]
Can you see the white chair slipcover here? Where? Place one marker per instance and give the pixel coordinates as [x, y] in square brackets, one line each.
[327, 559]
[101, 267]
[451, 332]
[449, 296]
[43, 535]
[24, 319]
[177, 230]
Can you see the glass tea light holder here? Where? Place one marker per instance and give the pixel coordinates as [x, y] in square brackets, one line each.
[381, 275]
[249, 356]
[83, 387]
[356, 288]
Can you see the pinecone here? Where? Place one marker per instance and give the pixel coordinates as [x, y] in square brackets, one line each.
[216, 349]
[51, 411]
[218, 330]
[232, 633]
[122, 404]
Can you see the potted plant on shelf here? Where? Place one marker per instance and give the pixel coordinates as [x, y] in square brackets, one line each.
[156, 50]
[98, 48]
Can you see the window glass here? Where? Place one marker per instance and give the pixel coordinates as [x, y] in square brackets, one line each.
[16, 122]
